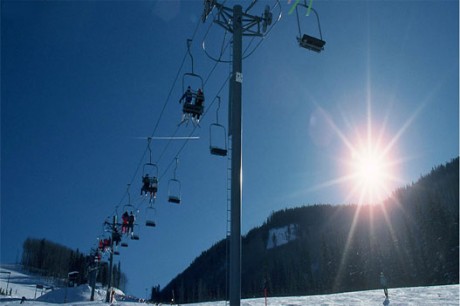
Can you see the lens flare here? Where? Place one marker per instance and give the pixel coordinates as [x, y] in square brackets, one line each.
[371, 172]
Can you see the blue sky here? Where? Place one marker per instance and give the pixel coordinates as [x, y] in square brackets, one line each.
[81, 81]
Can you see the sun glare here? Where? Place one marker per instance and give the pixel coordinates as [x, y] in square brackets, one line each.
[371, 172]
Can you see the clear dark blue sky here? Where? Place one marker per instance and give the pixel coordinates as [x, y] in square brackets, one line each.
[81, 80]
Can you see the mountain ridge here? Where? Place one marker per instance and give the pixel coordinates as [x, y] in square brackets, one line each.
[412, 237]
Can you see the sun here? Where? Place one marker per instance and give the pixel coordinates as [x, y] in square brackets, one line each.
[371, 174]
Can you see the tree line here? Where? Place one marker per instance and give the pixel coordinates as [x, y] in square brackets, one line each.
[50, 259]
[412, 237]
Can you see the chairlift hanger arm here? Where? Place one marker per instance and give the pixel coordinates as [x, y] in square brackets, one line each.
[316, 14]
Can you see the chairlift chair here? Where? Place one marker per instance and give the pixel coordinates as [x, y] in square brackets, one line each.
[217, 131]
[193, 109]
[149, 221]
[307, 41]
[174, 191]
[149, 179]
[195, 82]
[311, 43]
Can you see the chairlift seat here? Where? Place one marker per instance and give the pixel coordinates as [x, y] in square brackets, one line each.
[174, 199]
[134, 237]
[218, 151]
[124, 244]
[193, 109]
[116, 253]
[150, 223]
[311, 43]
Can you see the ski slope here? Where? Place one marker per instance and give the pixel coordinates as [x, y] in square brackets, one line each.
[25, 285]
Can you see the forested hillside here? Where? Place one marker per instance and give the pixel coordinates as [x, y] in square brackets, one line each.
[316, 249]
[50, 259]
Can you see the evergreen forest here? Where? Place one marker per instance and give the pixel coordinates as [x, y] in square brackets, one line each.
[412, 238]
[54, 261]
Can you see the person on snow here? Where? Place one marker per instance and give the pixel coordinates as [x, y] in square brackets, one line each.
[383, 283]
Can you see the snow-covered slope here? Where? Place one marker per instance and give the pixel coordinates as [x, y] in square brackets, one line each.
[25, 285]
[282, 235]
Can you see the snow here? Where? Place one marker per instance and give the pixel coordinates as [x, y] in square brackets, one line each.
[281, 235]
[25, 285]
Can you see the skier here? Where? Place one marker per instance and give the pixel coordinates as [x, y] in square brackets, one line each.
[131, 223]
[124, 226]
[199, 105]
[383, 283]
[145, 184]
[188, 95]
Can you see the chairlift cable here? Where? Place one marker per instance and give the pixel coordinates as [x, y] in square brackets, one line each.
[203, 43]
[191, 133]
[177, 128]
[217, 110]
[162, 111]
[167, 144]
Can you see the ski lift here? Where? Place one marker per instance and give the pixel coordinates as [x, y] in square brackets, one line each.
[193, 93]
[174, 188]
[216, 132]
[150, 212]
[124, 244]
[149, 176]
[306, 41]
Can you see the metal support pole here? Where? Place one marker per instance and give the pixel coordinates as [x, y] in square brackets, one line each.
[109, 285]
[236, 176]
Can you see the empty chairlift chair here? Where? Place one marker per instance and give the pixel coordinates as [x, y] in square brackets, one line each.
[307, 41]
[217, 136]
[217, 140]
[149, 216]
[174, 187]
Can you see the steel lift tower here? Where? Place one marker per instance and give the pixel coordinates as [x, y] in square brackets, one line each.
[240, 24]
